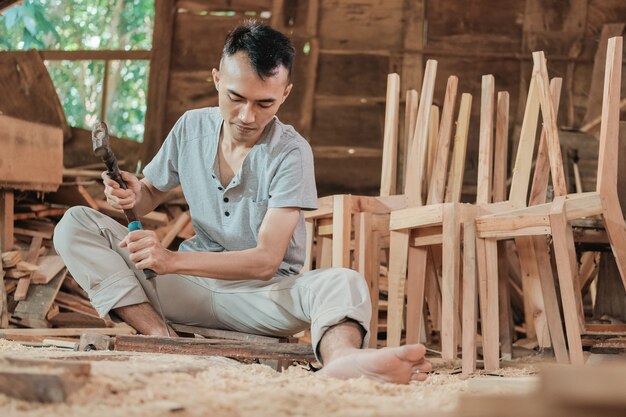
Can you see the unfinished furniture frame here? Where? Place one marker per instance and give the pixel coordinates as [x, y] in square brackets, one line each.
[553, 218]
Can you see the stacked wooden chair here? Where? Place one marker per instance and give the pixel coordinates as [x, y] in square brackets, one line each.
[367, 218]
[553, 218]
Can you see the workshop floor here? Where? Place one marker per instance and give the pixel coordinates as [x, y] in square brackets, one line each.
[144, 384]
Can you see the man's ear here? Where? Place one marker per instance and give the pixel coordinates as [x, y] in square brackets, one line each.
[216, 77]
[287, 91]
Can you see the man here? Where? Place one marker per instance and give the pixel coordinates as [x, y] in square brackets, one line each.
[246, 177]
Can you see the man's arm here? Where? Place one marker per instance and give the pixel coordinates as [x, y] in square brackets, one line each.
[260, 262]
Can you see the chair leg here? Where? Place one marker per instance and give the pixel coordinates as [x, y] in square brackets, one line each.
[416, 281]
[504, 304]
[491, 330]
[551, 303]
[449, 287]
[616, 229]
[398, 254]
[565, 254]
[470, 299]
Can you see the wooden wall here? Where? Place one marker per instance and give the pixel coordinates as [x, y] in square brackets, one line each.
[339, 86]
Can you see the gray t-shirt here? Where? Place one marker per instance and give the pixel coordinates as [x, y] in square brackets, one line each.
[277, 172]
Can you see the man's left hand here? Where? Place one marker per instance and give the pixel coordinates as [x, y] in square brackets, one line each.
[146, 251]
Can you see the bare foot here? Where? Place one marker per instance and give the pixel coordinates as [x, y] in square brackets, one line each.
[398, 365]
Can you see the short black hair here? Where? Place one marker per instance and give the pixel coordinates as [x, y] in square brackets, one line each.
[266, 48]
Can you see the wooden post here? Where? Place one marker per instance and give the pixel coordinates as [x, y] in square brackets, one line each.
[6, 220]
[164, 19]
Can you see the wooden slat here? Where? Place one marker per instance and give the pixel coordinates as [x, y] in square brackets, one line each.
[49, 267]
[485, 147]
[416, 162]
[220, 347]
[390, 136]
[436, 189]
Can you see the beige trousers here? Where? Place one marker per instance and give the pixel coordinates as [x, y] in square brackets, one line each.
[88, 242]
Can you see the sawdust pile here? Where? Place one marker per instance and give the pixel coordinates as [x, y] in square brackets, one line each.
[155, 385]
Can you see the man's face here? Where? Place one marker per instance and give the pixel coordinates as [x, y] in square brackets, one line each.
[247, 102]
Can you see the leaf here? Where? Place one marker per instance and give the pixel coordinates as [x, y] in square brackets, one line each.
[12, 16]
[30, 24]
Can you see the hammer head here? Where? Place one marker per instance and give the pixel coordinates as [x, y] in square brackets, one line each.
[100, 139]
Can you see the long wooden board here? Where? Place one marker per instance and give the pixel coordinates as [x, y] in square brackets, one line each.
[218, 347]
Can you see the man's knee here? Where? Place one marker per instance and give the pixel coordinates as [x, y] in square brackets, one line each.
[65, 231]
[346, 281]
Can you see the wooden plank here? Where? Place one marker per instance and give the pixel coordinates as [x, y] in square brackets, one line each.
[95, 55]
[49, 267]
[22, 334]
[164, 20]
[390, 136]
[41, 380]
[7, 203]
[225, 334]
[32, 312]
[36, 154]
[21, 292]
[219, 347]
[28, 93]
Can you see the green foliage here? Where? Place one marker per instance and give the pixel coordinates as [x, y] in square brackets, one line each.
[89, 24]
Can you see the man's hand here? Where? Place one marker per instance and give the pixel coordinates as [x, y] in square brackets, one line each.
[146, 251]
[116, 196]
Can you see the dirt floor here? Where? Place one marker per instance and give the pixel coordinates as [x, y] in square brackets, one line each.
[144, 384]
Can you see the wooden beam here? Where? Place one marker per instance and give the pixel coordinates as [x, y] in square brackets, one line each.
[218, 347]
[164, 20]
[95, 55]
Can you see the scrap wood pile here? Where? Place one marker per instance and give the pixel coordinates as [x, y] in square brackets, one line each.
[40, 292]
[45, 306]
